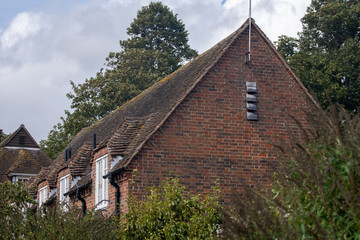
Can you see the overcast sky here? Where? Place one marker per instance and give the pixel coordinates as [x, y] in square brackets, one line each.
[46, 43]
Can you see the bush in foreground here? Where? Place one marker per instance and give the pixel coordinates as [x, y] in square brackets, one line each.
[20, 220]
[169, 213]
[316, 189]
[166, 213]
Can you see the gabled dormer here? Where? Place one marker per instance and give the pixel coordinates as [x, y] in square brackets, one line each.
[21, 138]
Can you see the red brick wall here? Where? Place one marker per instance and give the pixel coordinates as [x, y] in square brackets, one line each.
[208, 138]
[87, 195]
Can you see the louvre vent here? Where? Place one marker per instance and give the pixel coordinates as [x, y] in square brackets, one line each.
[251, 101]
[22, 141]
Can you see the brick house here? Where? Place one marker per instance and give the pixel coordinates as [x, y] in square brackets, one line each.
[20, 156]
[215, 119]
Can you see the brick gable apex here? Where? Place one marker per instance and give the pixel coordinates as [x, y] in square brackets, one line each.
[207, 137]
[225, 45]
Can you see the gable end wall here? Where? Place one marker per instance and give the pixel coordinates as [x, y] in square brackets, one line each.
[208, 138]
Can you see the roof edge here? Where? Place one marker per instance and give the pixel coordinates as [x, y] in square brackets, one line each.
[285, 65]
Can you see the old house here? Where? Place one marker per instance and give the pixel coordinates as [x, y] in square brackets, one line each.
[215, 119]
[21, 157]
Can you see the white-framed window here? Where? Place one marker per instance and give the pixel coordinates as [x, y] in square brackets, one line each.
[101, 186]
[64, 187]
[43, 195]
[19, 179]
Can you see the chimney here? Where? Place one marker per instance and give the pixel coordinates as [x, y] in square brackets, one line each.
[94, 141]
[66, 155]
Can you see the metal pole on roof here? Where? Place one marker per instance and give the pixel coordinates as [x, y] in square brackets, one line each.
[249, 30]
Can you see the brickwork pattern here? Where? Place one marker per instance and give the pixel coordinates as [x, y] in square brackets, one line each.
[208, 139]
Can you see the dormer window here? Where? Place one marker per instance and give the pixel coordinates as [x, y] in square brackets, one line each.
[43, 195]
[64, 187]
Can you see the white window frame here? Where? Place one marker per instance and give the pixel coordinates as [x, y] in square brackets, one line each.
[64, 186]
[19, 179]
[101, 184]
[43, 195]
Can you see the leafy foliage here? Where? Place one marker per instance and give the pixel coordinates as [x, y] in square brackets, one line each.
[316, 188]
[328, 57]
[3, 137]
[169, 213]
[287, 46]
[56, 142]
[14, 202]
[157, 46]
[19, 220]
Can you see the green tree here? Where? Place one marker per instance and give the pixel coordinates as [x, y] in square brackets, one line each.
[157, 46]
[287, 46]
[3, 137]
[315, 190]
[56, 141]
[169, 213]
[328, 60]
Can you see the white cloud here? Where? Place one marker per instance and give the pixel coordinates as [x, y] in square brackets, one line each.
[24, 24]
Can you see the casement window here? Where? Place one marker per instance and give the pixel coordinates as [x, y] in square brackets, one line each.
[101, 186]
[64, 187]
[43, 195]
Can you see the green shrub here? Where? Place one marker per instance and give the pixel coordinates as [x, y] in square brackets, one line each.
[169, 213]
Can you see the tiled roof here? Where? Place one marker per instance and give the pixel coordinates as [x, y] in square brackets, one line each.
[122, 139]
[24, 160]
[81, 160]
